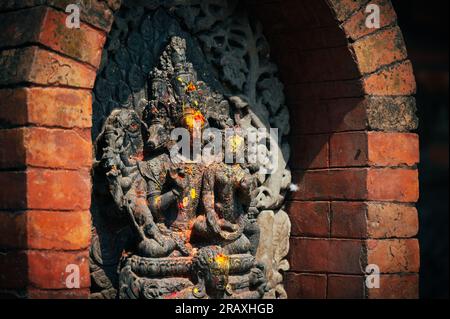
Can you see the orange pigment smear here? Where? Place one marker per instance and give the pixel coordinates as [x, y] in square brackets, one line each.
[191, 87]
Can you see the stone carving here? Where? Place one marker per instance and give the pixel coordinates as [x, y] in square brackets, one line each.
[165, 228]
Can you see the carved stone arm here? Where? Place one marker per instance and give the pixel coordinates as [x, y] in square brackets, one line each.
[159, 203]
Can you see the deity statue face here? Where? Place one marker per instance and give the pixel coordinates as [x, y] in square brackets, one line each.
[213, 272]
[123, 126]
[158, 136]
[216, 277]
[132, 124]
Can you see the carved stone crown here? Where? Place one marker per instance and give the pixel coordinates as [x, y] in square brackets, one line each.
[176, 92]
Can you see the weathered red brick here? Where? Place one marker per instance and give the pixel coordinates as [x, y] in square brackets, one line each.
[46, 189]
[49, 28]
[39, 66]
[394, 80]
[386, 220]
[34, 293]
[325, 255]
[98, 13]
[41, 269]
[379, 49]
[311, 117]
[56, 148]
[16, 64]
[347, 114]
[58, 230]
[320, 65]
[355, 27]
[297, 93]
[309, 218]
[373, 148]
[309, 151]
[393, 255]
[51, 69]
[85, 43]
[348, 220]
[320, 38]
[344, 8]
[306, 286]
[348, 149]
[327, 116]
[373, 220]
[46, 107]
[310, 255]
[393, 149]
[53, 148]
[58, 189]
[15, 31]
[47, 269]
[392, 114]
[346, 287]
[393, 185]
[45, 230]
[346, 256]
[398, 286]
[336, 184]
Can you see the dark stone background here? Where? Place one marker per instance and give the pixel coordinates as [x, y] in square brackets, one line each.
[425, 27]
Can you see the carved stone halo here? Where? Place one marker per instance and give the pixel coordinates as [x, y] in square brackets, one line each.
[164, 229]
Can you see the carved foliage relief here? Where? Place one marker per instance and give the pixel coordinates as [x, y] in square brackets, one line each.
[169, 229]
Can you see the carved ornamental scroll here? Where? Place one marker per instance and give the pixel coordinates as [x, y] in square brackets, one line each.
[180, 229]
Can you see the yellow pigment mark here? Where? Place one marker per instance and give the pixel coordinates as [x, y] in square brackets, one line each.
[222, 261]
[193, 193]
[235, 142]
[185, 201]
[192, 117]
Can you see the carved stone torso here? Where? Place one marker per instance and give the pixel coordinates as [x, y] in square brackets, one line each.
[156, 172]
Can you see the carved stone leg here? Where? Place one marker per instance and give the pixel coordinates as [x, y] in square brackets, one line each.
[240, 246]
[151, 248]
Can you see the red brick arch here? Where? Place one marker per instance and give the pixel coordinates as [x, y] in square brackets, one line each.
[349, 92]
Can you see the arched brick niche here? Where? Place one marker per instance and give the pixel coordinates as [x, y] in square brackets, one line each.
[349, 92]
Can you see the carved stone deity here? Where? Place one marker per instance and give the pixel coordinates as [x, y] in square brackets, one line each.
[167, 225]
[188, 219]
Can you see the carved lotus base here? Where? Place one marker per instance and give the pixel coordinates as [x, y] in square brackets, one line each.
[157, 278]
